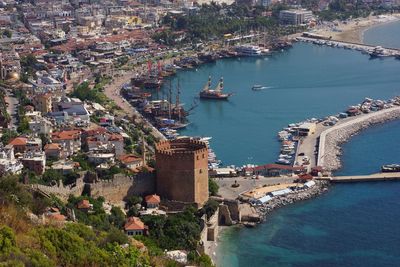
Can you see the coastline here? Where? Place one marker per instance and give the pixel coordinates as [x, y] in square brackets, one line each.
[353, 31]
[331, 140]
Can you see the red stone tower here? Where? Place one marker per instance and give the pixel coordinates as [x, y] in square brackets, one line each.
[182, 170]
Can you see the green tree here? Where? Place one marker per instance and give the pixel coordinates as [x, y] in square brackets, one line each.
[23, 126]
[7, 240]
[51, 175]
[212, 187]
[133, 200]
[7, 136]
[115, 235]
[12, 192]
[117, 217]
[209, 208]
[7, 33]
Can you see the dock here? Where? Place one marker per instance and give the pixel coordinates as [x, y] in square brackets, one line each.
[387, 176]
[389, 51]
[349, 124]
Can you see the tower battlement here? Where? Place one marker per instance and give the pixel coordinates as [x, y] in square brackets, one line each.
[182, 170]
[181, 147]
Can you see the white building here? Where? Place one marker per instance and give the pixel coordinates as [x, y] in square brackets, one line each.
[8, 163]
[295, 16]
[40, 125]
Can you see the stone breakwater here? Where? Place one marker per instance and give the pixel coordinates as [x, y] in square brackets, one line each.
[332, 139]
[299, 195]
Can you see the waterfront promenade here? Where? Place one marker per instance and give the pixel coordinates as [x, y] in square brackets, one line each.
[387, 176]
[246, 184]
[112, 91]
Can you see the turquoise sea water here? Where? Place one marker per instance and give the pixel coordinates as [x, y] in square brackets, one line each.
[351, 225]
[304, 82]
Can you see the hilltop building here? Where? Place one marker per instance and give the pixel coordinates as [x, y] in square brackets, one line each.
[182, 170]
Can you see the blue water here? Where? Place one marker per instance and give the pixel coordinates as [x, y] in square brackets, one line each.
[386, 35]
[306, 81]
[372, 148]
[351, 225]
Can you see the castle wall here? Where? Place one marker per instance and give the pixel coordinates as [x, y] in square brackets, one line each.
[121, 187]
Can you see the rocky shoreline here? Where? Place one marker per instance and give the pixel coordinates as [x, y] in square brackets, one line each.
[339, 135]
[296, 196]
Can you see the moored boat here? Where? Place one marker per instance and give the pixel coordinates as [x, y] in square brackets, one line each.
[248, 50]
[391, 168]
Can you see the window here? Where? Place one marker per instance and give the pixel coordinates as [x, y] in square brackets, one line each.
[197, 157]
[200, 171]
[203, 155]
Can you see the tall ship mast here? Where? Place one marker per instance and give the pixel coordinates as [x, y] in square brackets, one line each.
[217, 93]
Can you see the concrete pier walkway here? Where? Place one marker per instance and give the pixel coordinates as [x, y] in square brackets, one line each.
[389, 51]
[387, 176]
[349, 124]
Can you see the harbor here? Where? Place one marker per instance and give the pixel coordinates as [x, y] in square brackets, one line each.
[312, 147]
[209, 118]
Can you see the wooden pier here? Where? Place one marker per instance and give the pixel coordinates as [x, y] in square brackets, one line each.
[386, 176]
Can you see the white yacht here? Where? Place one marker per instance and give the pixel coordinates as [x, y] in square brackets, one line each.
[248, 50]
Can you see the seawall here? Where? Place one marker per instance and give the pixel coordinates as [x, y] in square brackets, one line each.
[331, 139]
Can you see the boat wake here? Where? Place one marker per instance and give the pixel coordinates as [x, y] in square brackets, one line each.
[262, 88]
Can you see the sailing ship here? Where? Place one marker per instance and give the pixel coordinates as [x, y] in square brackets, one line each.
[217, 93]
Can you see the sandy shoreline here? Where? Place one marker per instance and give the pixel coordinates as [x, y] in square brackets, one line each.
[353, 31]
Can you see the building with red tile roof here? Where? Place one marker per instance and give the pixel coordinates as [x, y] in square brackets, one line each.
[19, 144]
[131, 161]
[54, 150]
[69, 140]
[135, 226]
[101, 139]
[84, 205]
[152, 201]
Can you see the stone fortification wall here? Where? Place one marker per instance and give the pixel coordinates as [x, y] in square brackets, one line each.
[117, 189]
[229, 212]
[60, 191]
[331, 139]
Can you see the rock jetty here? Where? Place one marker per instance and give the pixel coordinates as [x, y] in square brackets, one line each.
[332, 139]
[298, 195]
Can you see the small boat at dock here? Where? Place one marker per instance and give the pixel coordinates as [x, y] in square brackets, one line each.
[391, 168]
[377, 52]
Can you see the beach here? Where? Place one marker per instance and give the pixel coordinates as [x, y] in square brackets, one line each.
[352, 31]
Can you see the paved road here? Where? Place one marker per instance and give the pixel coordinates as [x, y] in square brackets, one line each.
[12, 109]
[307, 145]
[112, 91]
[246, 183]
